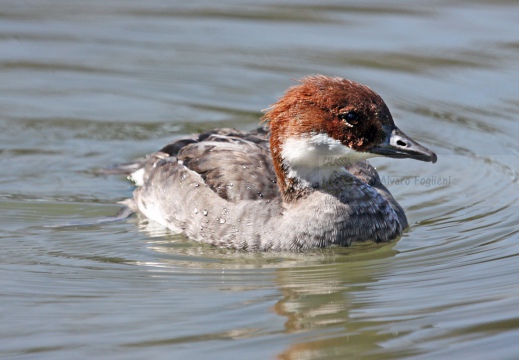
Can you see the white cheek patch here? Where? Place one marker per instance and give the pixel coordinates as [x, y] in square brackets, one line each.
[314, 159]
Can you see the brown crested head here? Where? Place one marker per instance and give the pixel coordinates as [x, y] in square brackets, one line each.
[343, 109]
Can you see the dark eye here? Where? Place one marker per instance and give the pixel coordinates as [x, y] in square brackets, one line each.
[351, 118]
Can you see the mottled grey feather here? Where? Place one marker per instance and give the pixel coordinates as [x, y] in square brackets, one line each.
[219, 188]
[344, 210]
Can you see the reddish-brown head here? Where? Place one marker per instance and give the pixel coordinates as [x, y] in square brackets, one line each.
[330, 116]
[344, 110]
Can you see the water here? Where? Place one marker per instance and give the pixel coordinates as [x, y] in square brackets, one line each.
[84, 85]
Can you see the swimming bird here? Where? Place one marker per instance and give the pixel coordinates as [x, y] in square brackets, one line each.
[299, 182]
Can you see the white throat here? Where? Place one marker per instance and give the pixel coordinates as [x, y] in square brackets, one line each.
[314, 159]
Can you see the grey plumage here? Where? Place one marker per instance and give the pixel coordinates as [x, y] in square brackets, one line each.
[219, 188]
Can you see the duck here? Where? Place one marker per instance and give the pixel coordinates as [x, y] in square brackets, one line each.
[300, 181]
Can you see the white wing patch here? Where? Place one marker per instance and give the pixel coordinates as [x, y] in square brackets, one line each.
[137, 177]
